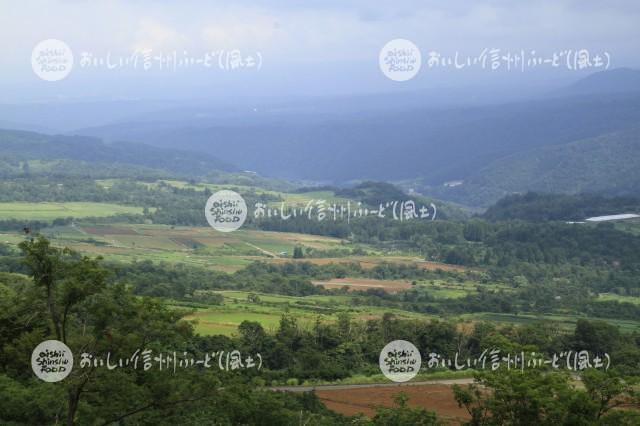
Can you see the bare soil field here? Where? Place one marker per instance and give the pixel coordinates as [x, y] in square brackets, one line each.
[364, 284]
[437, 265]
[437, 397]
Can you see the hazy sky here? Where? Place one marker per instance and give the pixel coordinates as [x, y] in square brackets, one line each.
[307, 47]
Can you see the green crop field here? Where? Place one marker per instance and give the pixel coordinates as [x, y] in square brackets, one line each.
[566, 322]
[205, 247]
[49, 211]
[226, 318]
[289, 198]
[202, 246]
[619, 298]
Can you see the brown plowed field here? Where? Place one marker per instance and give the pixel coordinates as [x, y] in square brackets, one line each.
[364, 284]
[438, 398]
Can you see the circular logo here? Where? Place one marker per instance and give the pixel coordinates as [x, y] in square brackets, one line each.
[400, 60]
[400, 361]
[52, 361]
[52, 60]
[226, 211]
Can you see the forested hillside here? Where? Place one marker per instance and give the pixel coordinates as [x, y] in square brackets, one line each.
[16, 147]
[606, 164]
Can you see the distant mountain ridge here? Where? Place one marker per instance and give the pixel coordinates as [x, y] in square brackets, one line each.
[544, 143]
[607, 164]
[20, 145]
[435, 144]
[620, 80]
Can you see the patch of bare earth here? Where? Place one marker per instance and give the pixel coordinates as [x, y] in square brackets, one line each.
[437, 398]
[364, 284]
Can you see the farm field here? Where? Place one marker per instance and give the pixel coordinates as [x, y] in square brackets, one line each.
[49, 211]
[566, 322]
[289, 198]
[440, 289]
[364, 284]
[225, 319]
[447, 289]
[619, 298]
[433, 397]
[369, 262]
[201, 246]
[206, 247]
[207, 240]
